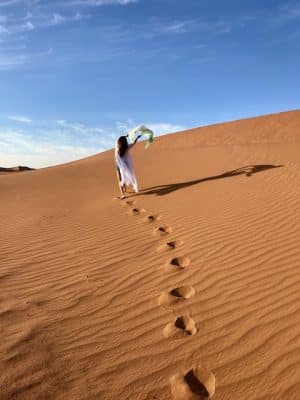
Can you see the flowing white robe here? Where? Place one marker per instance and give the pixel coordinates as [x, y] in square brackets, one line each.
[126, 170]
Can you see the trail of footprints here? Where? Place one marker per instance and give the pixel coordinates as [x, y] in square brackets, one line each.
[198, 382]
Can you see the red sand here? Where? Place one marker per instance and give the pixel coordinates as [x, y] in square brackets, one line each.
[98, 301]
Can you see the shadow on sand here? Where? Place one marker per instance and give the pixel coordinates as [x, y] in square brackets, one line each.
[248, 171]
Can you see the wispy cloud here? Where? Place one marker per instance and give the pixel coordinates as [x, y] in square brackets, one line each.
[161, 128]
[79, 127]
[19, 118]
[20, 28]
[97, 3]
[8, 61]
[289, 12]
[22, 149]
[165, 27]
[162, 27]
[164, 128]
[3, 30]
[28, 26]
[57, 19]
[7, 3]
[175, 27]
[41, 21]
[55, 142]
[48, 143]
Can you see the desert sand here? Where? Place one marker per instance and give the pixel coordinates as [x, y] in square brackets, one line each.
[187, 290]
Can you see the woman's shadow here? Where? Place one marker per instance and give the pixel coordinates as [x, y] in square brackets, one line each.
[249, 170]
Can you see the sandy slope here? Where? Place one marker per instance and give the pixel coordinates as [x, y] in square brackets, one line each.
[89, 286]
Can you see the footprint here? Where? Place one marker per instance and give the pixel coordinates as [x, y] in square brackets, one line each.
[163, 230]
[197, 383]
[181, 262]
[120, 199]
[129, 203]
[182, 326]
[178, 294]
[137, 211]
[170, 245]
[152, 218]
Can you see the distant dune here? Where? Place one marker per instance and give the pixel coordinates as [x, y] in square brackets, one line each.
[15, 169]
[188, 290]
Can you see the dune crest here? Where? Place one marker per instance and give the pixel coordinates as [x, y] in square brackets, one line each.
[15, 169]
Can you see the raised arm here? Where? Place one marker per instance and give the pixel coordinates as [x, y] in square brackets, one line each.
[132, 144]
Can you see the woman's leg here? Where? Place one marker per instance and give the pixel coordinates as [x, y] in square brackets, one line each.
[135, 188]
[122, 187]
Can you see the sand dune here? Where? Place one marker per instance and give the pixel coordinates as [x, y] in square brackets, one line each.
[187, 290]
[20, 168]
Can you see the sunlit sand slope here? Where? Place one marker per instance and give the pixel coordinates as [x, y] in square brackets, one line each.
[189, 289]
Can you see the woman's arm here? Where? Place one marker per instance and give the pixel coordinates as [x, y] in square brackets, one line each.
[137, 138]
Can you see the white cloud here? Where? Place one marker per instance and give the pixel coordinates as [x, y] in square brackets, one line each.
[28, 26]
[95, 3]
[8, 61]
[76, 126]
[71, 141]
[9, 2]
[78, 16]
[21, 149]
[158, 128]
[15, 28]
[162, 27]
[164, 128]
[28, 15]
[125, 126]
[158, 27]
[79, 127]
[3, 30]
[222, 27]
[177, 27]
[57, 19]
[290, 11]
[47, 156]
[19, 118]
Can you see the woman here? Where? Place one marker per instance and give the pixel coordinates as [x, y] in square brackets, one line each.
[125, 171]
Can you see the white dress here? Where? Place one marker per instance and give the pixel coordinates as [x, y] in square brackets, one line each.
[126, 170]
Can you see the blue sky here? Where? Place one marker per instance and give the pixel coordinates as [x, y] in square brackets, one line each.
[75, 74]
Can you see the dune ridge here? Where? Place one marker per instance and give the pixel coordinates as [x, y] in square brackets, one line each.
[15, 169]
[82, 273]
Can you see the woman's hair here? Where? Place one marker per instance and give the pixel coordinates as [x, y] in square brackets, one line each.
[122, 145]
